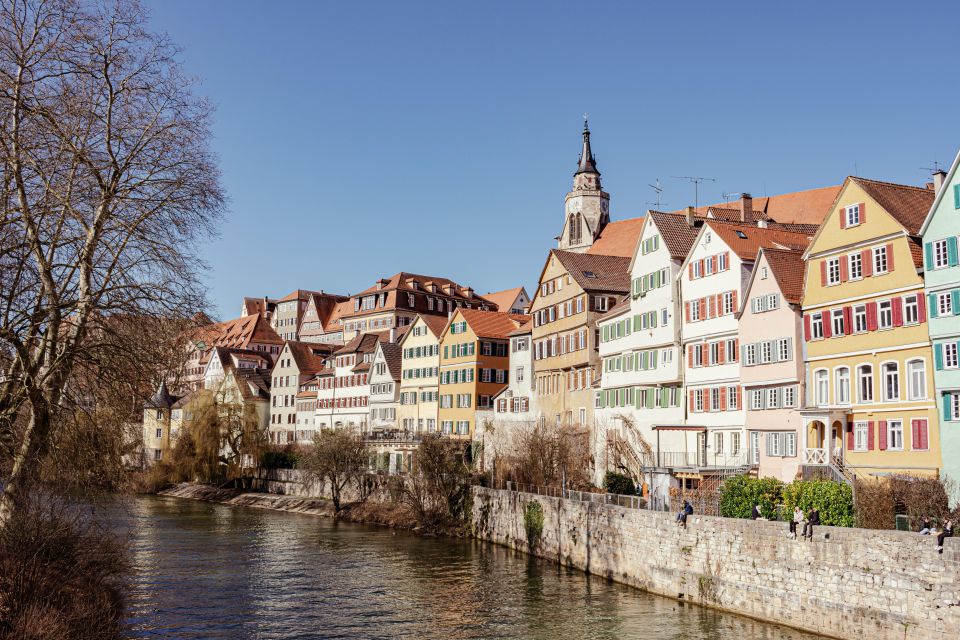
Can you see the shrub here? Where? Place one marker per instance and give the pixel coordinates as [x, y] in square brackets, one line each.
[834, 500]
[878, 501]
[533, 522]
[619, 483]
[279, 459]
[740, 493]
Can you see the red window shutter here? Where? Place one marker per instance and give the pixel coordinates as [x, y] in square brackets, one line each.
[843, 217]
[703, 307]
[711, 306]
[690, 394]
[863, 212]
[924, 435]
[847, 320]
[721, 352]
[736, 350]
[739, 398]
[714, 259]
[723, 399]
[897, 304]
[844, 272]
[866, 259]
[890, 256]
[727, 260]
[850, 442]
[882, 433]
[871, 316]
[922, 307]
[914, 437]
[827, 320]
[704, 354]
[870, 435]
[734, 301]
[806, 328]
[691, 270]
[689, 355]
[686, 312]
[706, 400]
[702, 264]
[823, 273]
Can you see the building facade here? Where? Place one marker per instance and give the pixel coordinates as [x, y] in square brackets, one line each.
[418, 404]
[298, 362]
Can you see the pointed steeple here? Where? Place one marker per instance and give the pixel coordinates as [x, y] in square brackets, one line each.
[587, 162]
[162, 398]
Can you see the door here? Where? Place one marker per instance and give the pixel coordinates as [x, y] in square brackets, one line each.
[702, 449]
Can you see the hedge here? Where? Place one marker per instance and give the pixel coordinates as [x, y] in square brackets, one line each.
[740, 493]
[619, 483]
[834, 500]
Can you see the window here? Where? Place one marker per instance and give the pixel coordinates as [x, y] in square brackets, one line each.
[822, 387]
[766, 352]
[714, 349]
[722, 262]
[860, 436]
[730, 350]
[885, 319]
[735, 443]
[855, 265]
[750, 355]
[950, 357]
[775, 444]
[837, 322]
[941, 256]
[756, 399]
[843, 385]
[733, 402]
[698, 400]
[853, 215]
[879, 260]
[697, 273]
[708, 266]
[718, 443]
[763, 273]
[519, 374]
[916, 380]
[865, 382]
[891, 382]
[954, 406]
[789, 397]
[728, 303]
[944, 304]
[833, 271]
[860, 318]
[911, 309]
[773, 398]
[663, 317]
[697, 354]
[816, 326]
[715, 399]
[694, 311]
[159, 433]
[895, 435]
[755, 447]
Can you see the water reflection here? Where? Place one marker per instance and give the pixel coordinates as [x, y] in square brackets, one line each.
[209, 571]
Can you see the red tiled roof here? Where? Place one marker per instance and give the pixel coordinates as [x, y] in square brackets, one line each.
[677, 235]
[798, 207]
[596, 272]
[309, 356]
[436, 324]
[618, 238]
[908, 205]
[238, 333]
[746, 239]
[504, 299]
[299, 294]
[787, 267]
[392, 356]
[491, 324]
[525, 328]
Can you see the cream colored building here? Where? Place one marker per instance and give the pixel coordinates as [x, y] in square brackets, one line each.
[419, 383]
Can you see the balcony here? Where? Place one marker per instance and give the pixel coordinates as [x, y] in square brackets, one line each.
[815, 457]
[391, 436]
[701, 460]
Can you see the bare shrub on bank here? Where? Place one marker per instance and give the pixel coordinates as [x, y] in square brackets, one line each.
[337, 458]
[546, 455]
[879, 501]
[437, 488]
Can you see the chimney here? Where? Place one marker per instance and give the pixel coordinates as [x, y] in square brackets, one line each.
[689, 216]
[746, 207]
[468, 292]
[393, 335]
[939, 177]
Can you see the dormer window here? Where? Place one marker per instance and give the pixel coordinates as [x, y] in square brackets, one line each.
[741, 235]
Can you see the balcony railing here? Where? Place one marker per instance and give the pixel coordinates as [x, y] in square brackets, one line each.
[392, 437]
[700, 461]
[815, 456]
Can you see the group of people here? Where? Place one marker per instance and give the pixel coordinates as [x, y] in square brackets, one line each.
[811, 518]
[926, 529]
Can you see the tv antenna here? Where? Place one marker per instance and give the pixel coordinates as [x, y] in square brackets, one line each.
[696, 186]
[727, 197]
[658, 190]
[934, 169]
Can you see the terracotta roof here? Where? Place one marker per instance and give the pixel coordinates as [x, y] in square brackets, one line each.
[299, 294]
[677, 235]
[798, 207]
[404, 281]
[491, 324]
[436, 324]
[253, 383]
[525, 328]
[787, 267]
[596, 272]
[908, 205]
[733, 215]
[240, 333]
[307, 394]
[746, 239]
[328, 308]
[392, 355]
[309, 356]
[504, 299]
[916, 251]
[618, 238]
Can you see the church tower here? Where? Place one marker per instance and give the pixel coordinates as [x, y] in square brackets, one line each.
[587, 205]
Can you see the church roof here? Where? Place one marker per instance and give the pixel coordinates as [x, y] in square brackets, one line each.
[588, 163]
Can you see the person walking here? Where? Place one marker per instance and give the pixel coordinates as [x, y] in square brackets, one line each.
[813, 518]
[943, 535]
[795, 520]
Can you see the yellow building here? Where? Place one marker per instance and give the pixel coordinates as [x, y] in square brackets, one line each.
[870, 406]
[474, 366]
[419, 375]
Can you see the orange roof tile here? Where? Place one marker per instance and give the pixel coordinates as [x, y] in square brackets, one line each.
[618, 238]
[746, 239]
[525, 328]
[492, 324]
[436, 324]
[798, 207]
[309, 356]
[908, 205]
[596, 272]
[504, 299]
[787, 267]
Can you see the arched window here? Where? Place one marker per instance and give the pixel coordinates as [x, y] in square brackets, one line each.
[821, 387]
[916, 380]
[891, 381]
[843, 385]
[574, 228]
[865, 382]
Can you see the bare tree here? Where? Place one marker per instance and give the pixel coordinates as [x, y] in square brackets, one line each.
[108, 185]
[437, 487]
[338, 457]
[548, 454]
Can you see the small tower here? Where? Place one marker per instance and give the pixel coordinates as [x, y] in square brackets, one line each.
[587, 209]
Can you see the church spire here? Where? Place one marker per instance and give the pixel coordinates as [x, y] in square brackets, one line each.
[587, 162]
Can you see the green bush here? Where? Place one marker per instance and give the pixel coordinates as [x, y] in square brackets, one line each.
[834, 500]
[740, 493]
[279, 459]
[533, 522]
[619, 483]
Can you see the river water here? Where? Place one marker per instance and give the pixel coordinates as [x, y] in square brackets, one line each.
[206, 570]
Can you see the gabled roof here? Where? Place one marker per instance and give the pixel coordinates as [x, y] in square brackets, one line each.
[161, 399]
[239, 333]
[309, 356]
[908, 205]
[299, 294]
[677, 235]
[798, 207]
[618, 238]
[525, 329]
[504, 299]
[392, 355]
[596, 272]
[787, 267]
[253, 383]
[936, 202]
[745, 239]
[491, 324]
[436, 324]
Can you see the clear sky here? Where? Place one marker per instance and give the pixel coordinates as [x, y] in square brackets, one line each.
[358, 139]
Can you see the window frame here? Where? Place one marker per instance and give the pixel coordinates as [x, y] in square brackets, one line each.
[895, 374]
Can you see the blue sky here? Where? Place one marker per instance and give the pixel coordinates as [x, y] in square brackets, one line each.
[358, 139]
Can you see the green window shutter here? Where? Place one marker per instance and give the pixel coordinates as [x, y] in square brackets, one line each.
[665, 397]
[636, 322]
[606, 333]
[946, 407]
[928, 255]
[938, 356]
[653, 319]
[956, 196]
[638, 396]
[446, 351]
[952, 251]
[932, 305]
[646, 360]
[650, 397]
[955, 301]
[653, 359]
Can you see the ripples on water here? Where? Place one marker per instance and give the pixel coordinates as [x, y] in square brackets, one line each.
[209, 571]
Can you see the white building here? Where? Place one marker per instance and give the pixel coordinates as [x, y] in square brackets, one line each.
[384, 387]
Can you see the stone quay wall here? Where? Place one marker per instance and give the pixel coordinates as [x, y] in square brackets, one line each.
[846, 583]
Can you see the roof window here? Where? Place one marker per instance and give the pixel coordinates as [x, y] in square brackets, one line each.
[589, 274]
[741, 235]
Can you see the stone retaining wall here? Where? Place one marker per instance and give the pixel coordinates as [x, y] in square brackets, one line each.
[845, 583]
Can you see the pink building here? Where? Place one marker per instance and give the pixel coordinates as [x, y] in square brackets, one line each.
[772, 357]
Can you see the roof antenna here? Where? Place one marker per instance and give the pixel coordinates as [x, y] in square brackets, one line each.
[727, 197]
[934, 169]
[696, 186]
[658, 190]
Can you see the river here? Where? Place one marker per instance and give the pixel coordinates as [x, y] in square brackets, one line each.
[205, 570]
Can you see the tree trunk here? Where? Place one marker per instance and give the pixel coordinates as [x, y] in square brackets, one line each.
[35, 434]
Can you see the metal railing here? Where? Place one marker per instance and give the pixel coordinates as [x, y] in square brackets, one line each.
[620, 500]
[692, 459]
